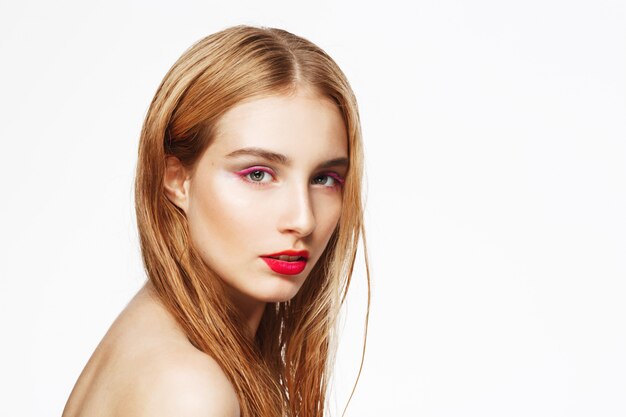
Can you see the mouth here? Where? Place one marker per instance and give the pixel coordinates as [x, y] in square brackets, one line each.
[287, 262]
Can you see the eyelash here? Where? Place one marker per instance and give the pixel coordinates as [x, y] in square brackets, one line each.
[244, 174]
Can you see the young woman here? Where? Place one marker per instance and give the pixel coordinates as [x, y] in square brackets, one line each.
[248, 203]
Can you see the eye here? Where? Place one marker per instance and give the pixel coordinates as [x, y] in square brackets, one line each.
[328, 180]
[257, 175]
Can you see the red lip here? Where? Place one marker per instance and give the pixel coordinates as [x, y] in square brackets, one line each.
[287, 267]
[302, 253]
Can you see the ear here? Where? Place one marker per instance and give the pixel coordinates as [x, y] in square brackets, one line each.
[176, 182]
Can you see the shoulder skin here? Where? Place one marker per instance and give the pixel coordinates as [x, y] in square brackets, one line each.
[181, 386]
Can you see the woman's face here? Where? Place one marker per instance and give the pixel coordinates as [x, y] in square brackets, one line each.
[270, 183]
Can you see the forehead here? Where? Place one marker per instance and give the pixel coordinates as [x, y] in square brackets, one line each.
[303, 123]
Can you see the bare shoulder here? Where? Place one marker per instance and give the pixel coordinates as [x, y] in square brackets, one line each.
[184, 384]
[162, 373]
[146, 366]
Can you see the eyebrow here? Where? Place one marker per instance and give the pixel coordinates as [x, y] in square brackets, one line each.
[282, 159]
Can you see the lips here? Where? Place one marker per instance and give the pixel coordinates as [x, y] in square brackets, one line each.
[288, 262]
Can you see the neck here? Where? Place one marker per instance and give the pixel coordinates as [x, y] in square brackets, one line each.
[253, 318]
[251, 310]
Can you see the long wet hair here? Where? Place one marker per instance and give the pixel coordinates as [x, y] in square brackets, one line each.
[285, 369]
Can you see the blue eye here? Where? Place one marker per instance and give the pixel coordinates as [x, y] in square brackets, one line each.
[256, 175]
[328, 180]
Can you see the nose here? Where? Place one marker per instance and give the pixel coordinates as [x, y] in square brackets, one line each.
[297, 216]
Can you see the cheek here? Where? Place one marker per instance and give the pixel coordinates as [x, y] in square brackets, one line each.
[328, 211]
[224, 218]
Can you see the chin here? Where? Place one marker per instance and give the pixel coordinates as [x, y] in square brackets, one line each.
[278, 291]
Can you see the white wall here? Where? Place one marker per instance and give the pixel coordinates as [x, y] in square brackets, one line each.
[495, 135]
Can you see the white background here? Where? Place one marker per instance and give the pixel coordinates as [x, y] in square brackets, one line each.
[495, 134]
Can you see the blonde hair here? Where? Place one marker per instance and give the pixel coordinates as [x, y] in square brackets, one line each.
[285, 370]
